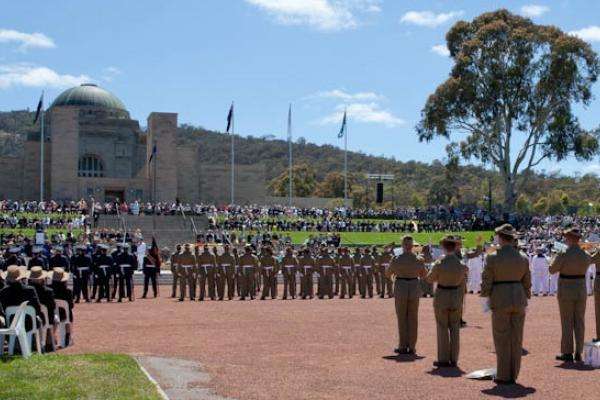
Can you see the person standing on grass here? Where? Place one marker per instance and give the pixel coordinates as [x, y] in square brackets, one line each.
[407, 268]
[449, 273]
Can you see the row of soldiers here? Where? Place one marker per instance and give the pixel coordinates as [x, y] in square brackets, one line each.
[206, 273]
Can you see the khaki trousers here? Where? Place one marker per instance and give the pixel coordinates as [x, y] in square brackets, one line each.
[175, 275]
[386, 285]
[289, 282]
[187, 278]
[407, 294]
[507, 329]
[378, 279]
[247, 284]
[346, 282]
[366, 282]
[220, 279]
[572, 298]
[447, 318]
[306, 283]
[231, 281]
[269, 284]
[326, 283]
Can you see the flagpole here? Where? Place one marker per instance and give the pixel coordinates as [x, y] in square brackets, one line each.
[232, 155]
[290, 152]
[346, 163]
[42, 151]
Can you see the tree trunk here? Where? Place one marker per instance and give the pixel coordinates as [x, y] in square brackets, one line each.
[510, 197]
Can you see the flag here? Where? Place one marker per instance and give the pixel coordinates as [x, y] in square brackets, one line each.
[290, 124]
[230, 118]
[343, 128]
[153, 153]
[39, 108]
[155, 253]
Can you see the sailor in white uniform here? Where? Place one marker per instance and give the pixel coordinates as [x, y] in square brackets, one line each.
[539, 273]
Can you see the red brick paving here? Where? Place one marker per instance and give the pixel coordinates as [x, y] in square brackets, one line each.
[328, 349]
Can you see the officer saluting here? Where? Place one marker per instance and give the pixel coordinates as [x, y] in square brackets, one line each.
[572, 266]
[506, 280]
[449, 273]
[407, 269]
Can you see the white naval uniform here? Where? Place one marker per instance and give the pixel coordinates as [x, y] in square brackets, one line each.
[141, 253]
[539, 274]
[475, 269]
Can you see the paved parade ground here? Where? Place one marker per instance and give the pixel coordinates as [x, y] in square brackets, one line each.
[329, 349]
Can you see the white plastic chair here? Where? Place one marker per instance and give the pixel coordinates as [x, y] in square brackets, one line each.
[16, 330]
[33, 334]
[47, 330]
[64, 325]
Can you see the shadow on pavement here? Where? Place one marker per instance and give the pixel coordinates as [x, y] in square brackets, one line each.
[404, 357]
[575, 366]
[447, 372]
[509, 391]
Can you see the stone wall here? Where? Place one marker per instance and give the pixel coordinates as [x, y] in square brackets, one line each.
[188, 184]
[162, 130]
[65, 153]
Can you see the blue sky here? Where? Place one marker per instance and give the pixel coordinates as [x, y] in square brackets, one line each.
[378, 58]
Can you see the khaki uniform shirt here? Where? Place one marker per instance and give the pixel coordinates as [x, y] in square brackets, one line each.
[325, 264]
[506, 265]
[448, 271]
[289, 261]
[307, 264]
[248, 260]
[268, 264]
[226, 261]
[407, 265]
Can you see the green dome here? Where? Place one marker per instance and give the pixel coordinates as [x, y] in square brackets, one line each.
[88, 94]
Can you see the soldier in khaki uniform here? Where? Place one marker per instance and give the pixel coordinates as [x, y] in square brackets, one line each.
[572, 266]
[376, 270]
[187, 264]
[597, 299]
[325, 265]
[357, 271]
[175, 269]
[337, 273]
[367, 263]
[449, 273]
[227, 263]
[289, 265]
[506, 280]
[407, 268]
[206, 263]
[248, 263]
[383, 263]
[345, 266]
[268, 270]
[307, 267]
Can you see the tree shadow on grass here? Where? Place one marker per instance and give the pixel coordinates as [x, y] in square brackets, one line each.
[509, 391]
[404, 357]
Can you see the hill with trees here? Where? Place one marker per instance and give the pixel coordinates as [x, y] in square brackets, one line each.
[319, 172]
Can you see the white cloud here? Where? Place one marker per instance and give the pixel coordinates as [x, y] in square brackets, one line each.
[591, 33]
[441, 50]
[534, 10]
[30, 75]
[26, 40]
[363, 112]
[345, 96]
[109, 73]
[325, 15]
[429, 18]
[591, 169]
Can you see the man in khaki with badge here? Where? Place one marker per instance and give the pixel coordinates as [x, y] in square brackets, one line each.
[357, 271]
[345, 266]
[226, 262]
[248, 263]
[407, 268]
[572, 266]
[187, 264]
[506, 281]
[449, 273]
[175, 269]
[307, 266]
[206, 263]
[268, 270]
[367, 263]
[325, 265]
[289, 264]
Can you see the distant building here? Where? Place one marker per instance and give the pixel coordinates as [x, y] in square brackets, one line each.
[94, 149]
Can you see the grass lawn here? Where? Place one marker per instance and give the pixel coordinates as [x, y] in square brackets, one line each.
[91, 376]
[375, 238]
[30, 232]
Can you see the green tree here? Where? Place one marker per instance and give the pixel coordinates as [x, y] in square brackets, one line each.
[513, 83]
[304, 182]
[523, 204]
[541, 206]
[333, 185]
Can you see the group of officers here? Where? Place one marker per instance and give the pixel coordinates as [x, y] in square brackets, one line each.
[506, 284]
[202, 272]
[109, 274]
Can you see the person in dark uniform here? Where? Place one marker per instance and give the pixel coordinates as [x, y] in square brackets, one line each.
[37, 259]
[103, 264]
[37, 280]
[151, 269]
[14, 257]
[82, 268]
[116, 271]
[126, 263]
[16, 292]
[58, 260]
[60, 278]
